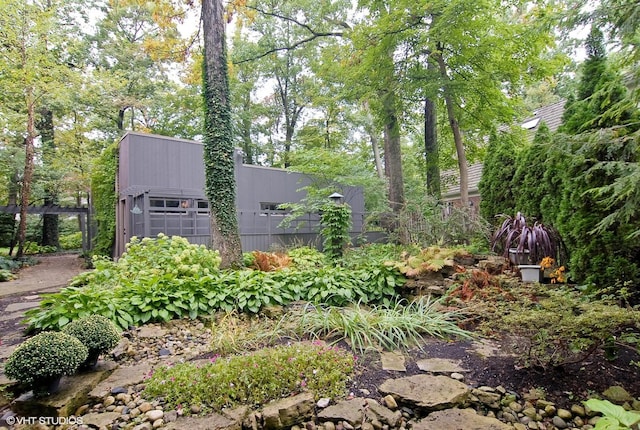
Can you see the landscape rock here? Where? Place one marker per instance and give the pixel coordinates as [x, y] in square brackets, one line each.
[427, 392]
[457, 419]
[208, 422]
[382, 413]
[100, 420]
[121, 377]
[393, 360]
[617, 394]
[287, 412]
[440, 365]
[350, 411]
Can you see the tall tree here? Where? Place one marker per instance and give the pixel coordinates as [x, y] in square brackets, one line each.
[30, 72]
[220, 184]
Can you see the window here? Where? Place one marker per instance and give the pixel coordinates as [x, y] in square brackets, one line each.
[271, 208]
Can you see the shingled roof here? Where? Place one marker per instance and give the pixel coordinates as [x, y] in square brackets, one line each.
[550, 114]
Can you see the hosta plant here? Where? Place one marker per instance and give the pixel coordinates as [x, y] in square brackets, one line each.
[97, 333]
[44, 358]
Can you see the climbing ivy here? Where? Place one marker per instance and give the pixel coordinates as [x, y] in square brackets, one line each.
[103, 191]
[336, 222]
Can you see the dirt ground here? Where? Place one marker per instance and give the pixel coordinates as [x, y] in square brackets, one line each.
[564, 386]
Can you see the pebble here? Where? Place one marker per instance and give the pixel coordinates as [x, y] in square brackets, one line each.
[154, 414]
[564, 414]
[145, 407]
[390, 402]
[559, 422]
[323, 402]
[329, 425]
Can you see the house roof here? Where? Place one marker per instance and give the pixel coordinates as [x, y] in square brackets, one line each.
[550, 114]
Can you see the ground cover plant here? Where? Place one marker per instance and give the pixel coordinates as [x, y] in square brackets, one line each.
[254, 378]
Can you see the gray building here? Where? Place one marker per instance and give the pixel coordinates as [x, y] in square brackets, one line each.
[160, 188]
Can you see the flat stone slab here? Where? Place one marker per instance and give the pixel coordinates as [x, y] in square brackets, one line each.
[487, 349]
[151, 331]
[345, 410]
[428, 392]
[20, 306]
[457, 419]
[121, 377]
[101, 420]
[11, 316]
[33, 297]
[73, 394]
[284, 413]
[393, 360]
[440, 365]
[209, 422]
[5, 351]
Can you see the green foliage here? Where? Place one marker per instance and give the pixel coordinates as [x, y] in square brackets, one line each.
[614, 417]
[166, 278]
[103, 191]
[528, 179]
[400, 326]
[7, 226]
[305, 257]
[427, 260]
[425, 224]
[254, 379]
[561, 326]
[6, 275]
[9, 264]
[498, 192]
[44, 356]
[71, 241]
[97, 333]
[336, 223]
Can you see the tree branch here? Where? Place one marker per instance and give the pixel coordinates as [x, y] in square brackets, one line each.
[314, 35]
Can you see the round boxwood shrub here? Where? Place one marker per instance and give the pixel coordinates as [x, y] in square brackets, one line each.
[96, 332]
[45, 357]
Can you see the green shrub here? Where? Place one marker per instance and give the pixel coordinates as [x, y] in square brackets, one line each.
[6, 275]
[9, 264]
[96, 332]
[105, 199]
[305, 257]
[254, 379]
[166, 278]
[71, 241]
[44, 356]
[564, 327]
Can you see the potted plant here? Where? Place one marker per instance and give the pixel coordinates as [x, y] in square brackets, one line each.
[40, 361]
[97, 333]
[526, 245]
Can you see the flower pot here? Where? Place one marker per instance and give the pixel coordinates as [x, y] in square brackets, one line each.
[45, 386]
[530, 272]
[91, 361]
[519, 257]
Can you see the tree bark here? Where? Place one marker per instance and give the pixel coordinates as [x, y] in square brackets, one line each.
[455, 128]
[218, 144]
[393, 152]
[27, 179]
[431, 150]
[50, 222]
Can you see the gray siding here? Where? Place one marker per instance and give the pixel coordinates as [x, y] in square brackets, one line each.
[154, 168]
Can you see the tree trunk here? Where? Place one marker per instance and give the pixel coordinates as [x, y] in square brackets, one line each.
[27, 179]
[455, 128]
[375, 146]
[431, 148]
[393, 153]
[218, 143]
[50, 222]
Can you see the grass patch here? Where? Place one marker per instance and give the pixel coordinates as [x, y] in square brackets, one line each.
[398, 327]
[254, 379]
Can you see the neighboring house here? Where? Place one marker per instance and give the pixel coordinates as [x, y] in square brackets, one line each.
[160, 189]
[550, 114]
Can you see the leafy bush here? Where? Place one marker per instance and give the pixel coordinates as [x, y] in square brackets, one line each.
[44, 356]
[564, 327]
[9, 264]
[105, 200]
[396, 327]
[6, 275]
[305, 257]
[336, 223]
[428, 260]
[253, 379]
[95, 332]
[71, 241]
[132, 297]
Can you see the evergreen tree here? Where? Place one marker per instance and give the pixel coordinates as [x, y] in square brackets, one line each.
[498, 194]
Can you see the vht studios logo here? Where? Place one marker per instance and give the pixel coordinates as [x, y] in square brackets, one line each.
[51, 421]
